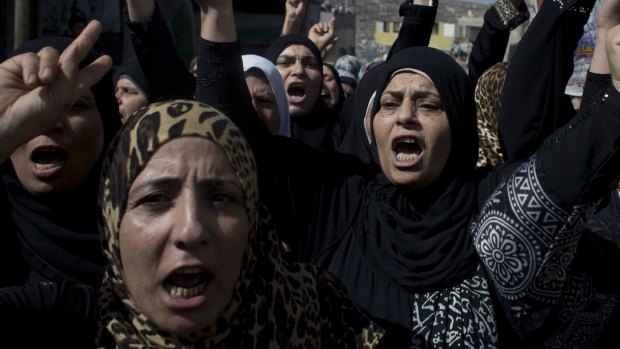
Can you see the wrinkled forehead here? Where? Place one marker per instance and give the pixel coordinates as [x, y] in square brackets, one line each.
[297, 50]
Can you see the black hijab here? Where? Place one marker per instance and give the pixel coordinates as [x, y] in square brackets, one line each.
[321, 127]
[338, 105]
[420, 239]
[133, 70]
[58, 237]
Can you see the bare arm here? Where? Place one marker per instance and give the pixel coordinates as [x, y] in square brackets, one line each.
[608, 17]
[140, 10]
[323, 36]
[295, 15]
[217, 20]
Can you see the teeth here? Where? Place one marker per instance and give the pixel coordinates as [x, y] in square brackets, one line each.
[405, 157]
[183, 292]
[189, 271]
[407, 140]
[44, 166]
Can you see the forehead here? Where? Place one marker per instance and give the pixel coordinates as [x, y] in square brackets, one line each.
[180, 154]
[125, 82]
[410, 79]
[257, 83]
[296, 50]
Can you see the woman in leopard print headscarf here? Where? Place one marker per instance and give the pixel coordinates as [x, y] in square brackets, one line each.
[272, 303]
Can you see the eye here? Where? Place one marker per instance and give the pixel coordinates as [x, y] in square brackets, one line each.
[389, 105]
[263, 100]
[153, 201]
[311, 63]
[284, 61]
[429, 108]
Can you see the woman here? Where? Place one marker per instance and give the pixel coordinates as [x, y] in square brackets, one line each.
[268, 96]
[52, 265]
[412, 235]
[193, 257]
[131, 88]
[299, 62]
[332, 91]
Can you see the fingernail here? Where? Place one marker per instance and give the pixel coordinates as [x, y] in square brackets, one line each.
[47, 74]
[32, 79]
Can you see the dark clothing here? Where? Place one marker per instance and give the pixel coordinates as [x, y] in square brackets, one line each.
[52, 263]
[323, 202]
[490, 45]
[585, 312]
[167, 76]
[537, 77]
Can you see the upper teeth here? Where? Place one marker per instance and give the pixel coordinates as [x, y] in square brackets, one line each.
[407, 140]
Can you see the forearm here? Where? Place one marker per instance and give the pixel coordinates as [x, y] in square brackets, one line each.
[417, 26]
[490, 45]
[218, 24]
[140, 10]
[533, 99]
[154, 48]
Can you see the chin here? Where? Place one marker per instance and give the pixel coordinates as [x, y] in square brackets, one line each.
[185, 327]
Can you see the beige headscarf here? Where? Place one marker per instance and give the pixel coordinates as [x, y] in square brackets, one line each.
[274, 303]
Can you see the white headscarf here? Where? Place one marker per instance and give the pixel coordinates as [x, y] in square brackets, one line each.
[277, 86]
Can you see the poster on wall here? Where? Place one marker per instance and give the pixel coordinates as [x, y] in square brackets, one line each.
[66, 17]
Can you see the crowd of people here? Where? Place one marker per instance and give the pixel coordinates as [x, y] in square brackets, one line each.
[278, 200]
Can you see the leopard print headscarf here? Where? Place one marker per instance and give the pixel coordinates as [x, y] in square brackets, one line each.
[274, 303]
[488, 101]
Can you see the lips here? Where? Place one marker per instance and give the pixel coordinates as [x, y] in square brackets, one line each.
[406, 150]
[187, 282]
[296, 92]
[46, 160]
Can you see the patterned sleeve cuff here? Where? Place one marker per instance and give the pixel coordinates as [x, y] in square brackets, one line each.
[509, 14]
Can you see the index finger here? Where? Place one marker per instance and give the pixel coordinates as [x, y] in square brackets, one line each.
[80, 47]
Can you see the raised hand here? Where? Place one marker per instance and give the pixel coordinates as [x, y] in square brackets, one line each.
[37, 88]
[295, 14]
[296, 9]
[324, 36]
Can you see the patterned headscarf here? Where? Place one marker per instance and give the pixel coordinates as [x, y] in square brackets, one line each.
[274, 303]
[488, 101]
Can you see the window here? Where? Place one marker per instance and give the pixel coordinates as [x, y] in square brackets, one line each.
[386, 27]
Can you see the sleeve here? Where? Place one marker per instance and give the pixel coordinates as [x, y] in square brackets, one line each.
[416, 28]
[533, 102]
[167, 76]
[490, 44]
[595, 84]
[527, 233]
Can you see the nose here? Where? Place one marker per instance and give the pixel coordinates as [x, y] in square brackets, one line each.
[57, 128]
[117, 94]
[191, 228]
[298, 68]
[407, 112]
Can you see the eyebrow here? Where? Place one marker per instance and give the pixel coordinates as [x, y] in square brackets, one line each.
[304, 56]
[168, 182]
[417, 94]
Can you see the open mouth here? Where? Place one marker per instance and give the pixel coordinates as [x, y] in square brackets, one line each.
[406, 149]
[296, 93]
[187, 282]
[48, 157]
